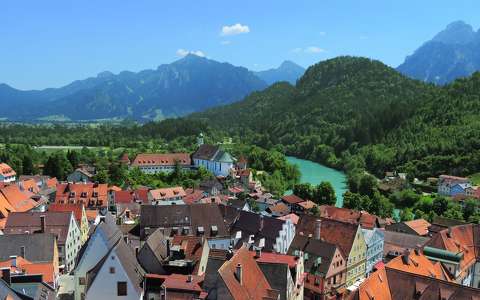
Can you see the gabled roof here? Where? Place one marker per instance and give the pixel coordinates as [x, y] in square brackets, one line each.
[399, 241]
[420, 226]
[314, 249]
[6, 170]
[57, 223]
[39, 247]
[128, 261]
[250, 223]
[332, 231]
[206, 152]
[254, 284]
[124, 196]
[19, 200]
[279, 209]
[292, 217]
[23, 266]
[159, 159]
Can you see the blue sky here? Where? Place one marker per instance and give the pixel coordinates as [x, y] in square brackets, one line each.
[51, 43]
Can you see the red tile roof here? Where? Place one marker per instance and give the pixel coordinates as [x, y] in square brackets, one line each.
[192, 247]
[417, 263]
[193, 196]
[29, 185]
[157, 159]
[275, 258]
[77, 209]
[292, 199]
[332, 231]
[254, 285]
[179, 282]
[363, 218]
[124, 196]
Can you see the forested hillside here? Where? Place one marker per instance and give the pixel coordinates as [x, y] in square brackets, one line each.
[350, 113]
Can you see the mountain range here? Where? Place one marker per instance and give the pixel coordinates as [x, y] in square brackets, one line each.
[451, 54]
[190, 84]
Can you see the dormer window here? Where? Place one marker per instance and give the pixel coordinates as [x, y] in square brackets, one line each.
[214, 229]
[200, 230]
[84, 195]
[95, 194]
[72, 194]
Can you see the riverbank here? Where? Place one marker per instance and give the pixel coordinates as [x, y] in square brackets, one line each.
[314, 173]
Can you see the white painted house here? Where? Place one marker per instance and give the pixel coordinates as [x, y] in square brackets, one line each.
[152, 163]
[374, 238]
[7, 174]
[100, 242]
[214, 159]
[117, 276]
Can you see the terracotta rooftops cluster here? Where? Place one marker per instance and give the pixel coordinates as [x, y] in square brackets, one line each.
[157, 159]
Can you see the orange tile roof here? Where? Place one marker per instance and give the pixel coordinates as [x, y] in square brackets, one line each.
[179, 281]
[459, 239]
[280, 209]
[52, 182]
[82, 193]
[27, 267]
[192, 247]
[420, 226]
[19, 200]
[254, 284]
[417, 263]
[167, 193]
[375, 287]
[158, 159]
[29, 185]
[6, 170]
[5, 207]
[91, 214]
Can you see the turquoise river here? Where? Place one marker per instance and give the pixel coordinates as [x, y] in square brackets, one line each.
[315, 173]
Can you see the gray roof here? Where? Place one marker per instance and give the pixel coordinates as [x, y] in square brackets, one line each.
[315, 249]
[6, 291]
[191, 216]
[276, 275]
[39, 247]
[56, 222]
[205, 152]
[249, 224]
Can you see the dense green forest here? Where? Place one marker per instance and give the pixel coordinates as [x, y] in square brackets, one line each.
[350, 113]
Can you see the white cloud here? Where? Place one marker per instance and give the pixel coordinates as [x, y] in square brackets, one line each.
[183, 52]
[310, 50]
[323, 33]
[234, 29]
[314, 49]
[225, 42]
[363, 37]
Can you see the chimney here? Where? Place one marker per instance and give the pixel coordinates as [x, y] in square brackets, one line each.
[22, 251]
[261, 223]
[449, 232]
[318, 227]
[42, 224]
[6, 275]
[258, 253]
[13, 258]
[238, 273]
[405, 257]
[168, 247]
[189, 278]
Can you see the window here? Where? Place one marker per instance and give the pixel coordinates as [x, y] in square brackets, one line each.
[121, 288]
[81, 281]
[112, 270]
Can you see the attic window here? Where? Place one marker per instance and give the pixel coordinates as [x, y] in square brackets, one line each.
[84, 195]
[72, 194]
[200, 230]
[95, 194]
